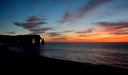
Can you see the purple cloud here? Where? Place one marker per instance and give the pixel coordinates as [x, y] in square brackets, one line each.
[32, 24]
[40, 30]
[118, 28]
[67, 17]
[93, 4]
[29, 25]
[68, 31]
[111, 25]
[82, 36]
[121, 32]
[60, 38]
[86, 31]
[82, 11]
[106, 14]
[53, 34]
[34, 18]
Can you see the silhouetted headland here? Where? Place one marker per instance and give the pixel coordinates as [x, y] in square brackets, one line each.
[21, 40]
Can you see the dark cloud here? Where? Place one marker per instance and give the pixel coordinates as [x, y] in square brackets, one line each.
[111, 25]
[118, 28]
[60, 38]
[32, 24]
[32, 34]
[68, 31]
[106, 14]
[93, 4]
[29, 25]
[120, 32]
[85, 31]
[82, 36]
[82, 11]
[11, 32]
[53, 34]
[34, 18]
[40, 30]
[67, 17]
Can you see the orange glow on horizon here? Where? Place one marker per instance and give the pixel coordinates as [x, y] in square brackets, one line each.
[90, 39]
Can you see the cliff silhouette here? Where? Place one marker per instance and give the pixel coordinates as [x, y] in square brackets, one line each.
[21, 40]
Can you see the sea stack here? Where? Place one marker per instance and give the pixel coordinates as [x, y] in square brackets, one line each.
[42, 42]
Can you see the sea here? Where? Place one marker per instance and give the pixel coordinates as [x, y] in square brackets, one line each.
[112, 54]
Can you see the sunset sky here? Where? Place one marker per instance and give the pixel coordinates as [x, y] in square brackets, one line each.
[66, 20]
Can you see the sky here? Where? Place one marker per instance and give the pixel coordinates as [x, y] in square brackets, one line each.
[66, 20]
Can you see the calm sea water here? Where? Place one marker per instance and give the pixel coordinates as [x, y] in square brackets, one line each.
[113, 54]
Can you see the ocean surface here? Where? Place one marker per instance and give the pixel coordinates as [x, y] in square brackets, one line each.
[112, 54]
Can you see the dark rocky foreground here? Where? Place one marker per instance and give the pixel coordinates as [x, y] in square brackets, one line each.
[11, 60]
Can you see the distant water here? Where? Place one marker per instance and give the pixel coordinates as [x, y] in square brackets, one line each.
[113, 54]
